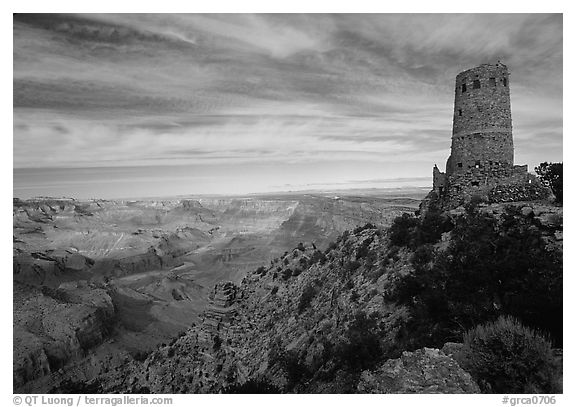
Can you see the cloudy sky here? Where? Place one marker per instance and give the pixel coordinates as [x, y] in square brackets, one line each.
[151, 105]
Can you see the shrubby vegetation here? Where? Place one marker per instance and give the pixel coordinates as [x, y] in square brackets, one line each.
[360, 348]
[489, 269]
[506, 357]
[306, 298]
[318, 257]
[253, 386]
[411, 231]
[551, 175]
[343, 358]
[491, 266]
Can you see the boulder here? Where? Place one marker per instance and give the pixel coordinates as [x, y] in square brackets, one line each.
[422, 371]
[452, 349]
[552, 220]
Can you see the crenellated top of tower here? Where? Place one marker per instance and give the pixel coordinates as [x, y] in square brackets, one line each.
[482, 100]
[498, 71]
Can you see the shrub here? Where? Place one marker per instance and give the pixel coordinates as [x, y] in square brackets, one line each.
[286, 273]
[217, 343]
[410, 231]
[507, 357]
[474, 203]
[402, 229]
[551, 175]
[295, 369]
[288, 361]
[318, 257]
[306, 298]
[488, 269]
[354, 296]
[361, 348]
[95, 386]
[253, 386]
[344, 236]
[364, 249]
[431, 227]
[376, 273]
[331, 246]
[352, 266]
[393, 253]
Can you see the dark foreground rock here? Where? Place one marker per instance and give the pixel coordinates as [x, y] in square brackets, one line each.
[422, 371]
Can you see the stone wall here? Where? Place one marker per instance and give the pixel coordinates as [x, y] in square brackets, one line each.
[482, 124]
[438, 180]
[489, 149]
[492, 185]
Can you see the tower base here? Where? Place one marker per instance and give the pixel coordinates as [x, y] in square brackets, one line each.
[490, 185]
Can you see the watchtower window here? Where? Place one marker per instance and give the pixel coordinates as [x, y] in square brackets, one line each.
[459, 165]
[504, 82]
[463, 87]
[459, 112]
[477, 84]
[492, 81]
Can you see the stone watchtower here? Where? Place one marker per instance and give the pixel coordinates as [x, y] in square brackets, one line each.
[482, 126]
[482, 152]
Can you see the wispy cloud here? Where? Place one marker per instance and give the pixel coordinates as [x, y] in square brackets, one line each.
[115, 90]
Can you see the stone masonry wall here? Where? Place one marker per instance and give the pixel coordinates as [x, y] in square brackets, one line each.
[493, 185]
[482, 124]
[482, 150]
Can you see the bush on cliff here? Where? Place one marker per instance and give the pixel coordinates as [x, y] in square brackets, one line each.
[361, 348]
[402, 229]
[253, 386]
[506, 357]
[551, 175]
[306, 298]
[490, 268]
[410, 231]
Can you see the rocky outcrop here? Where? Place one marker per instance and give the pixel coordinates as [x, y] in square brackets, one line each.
[49, 268]
[221, 308]
[55, 326]
[422, 371]
[548, 219]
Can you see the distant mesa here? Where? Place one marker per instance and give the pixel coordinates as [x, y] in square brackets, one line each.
[481, 162]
